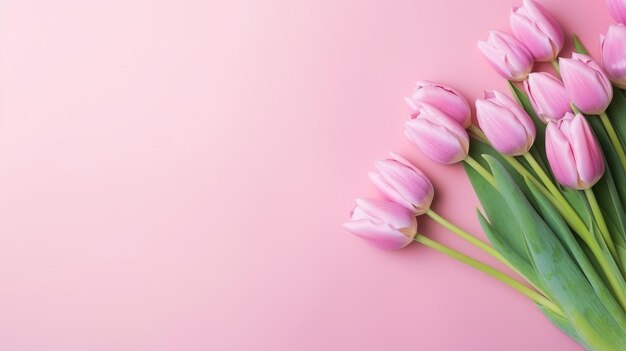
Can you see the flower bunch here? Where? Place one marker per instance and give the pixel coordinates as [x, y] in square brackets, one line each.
[548, 164]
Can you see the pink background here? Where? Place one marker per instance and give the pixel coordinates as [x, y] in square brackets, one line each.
[173, 176]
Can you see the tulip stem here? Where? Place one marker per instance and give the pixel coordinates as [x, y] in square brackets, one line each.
[542, 175]
[481, 170]
[597, 214]
[466, 236]
[555, 65]
[617, 144]
[477, 133]
[504, 278]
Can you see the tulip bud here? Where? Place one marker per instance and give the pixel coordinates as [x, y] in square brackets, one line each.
[384, 224]
[573, 152]
[403, 183]
[547, 96]
[507, 55]
[537, 30]
[586, 84]
[444, 98]
[614, 54]
[437, 135]
[505, 123]
[617, 8]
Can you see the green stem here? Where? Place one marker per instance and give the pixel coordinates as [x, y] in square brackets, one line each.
[597, 214]
[480, 169]
[551, 192]
[555, 65]
[466, 236]
[617, 144]
[545, 179]
[523, 289]
[616, 286]
[474, 241]
[477, 133]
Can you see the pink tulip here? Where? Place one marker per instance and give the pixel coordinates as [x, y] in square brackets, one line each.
[444, 98]
[440, 137]
[507, 55]
[573, 152]
[537, 30]
[384, 224]
[403, 183]
[547, 96]
[586, 84]
[617, 8]
[614, 54]
[505, 123]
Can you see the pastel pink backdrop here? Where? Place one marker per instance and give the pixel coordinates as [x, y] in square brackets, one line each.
[173, 176]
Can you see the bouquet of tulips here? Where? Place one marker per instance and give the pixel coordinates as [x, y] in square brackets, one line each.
[548, 164]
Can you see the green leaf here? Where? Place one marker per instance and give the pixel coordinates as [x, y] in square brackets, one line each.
[562, 277]
[617, 112]
[611, 189]
[506, 238]
[578, 46]
[563, 232]
[563, 324]
[519, 261]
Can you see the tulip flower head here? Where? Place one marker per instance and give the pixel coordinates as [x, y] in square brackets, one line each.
[444, 98]
[614, 54]
[537, 30]
[547, 96]
[617, 8]
[403, 183]
[438, 136]
[384, 224]
[505, 123]
[574, 154]
[507, 55]
[586, 84]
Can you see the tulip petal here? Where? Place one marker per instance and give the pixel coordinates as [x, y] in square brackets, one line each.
[388, 212]
[547, 96]
[444, 98]
[502, 129]
[380, 235]
[535, 40]
[389, 191]
[584, 87]
[436, 141]
[560, 156]
[412, 186]
[587, 155]
[614, 54]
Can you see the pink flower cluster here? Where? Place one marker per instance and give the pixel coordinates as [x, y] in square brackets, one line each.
[441, 118]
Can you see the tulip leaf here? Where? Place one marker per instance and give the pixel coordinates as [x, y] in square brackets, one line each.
[520, 262]
[616, 111]
[562, 277]
[611, 188]
[563, 324]
[563, 232]
[578, 45]
[504, 236]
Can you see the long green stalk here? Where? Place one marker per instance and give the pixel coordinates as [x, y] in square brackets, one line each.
[521, 288]
[617, 144]
[565, 209]
[597, 214]
[480, 169]
[467, 236]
